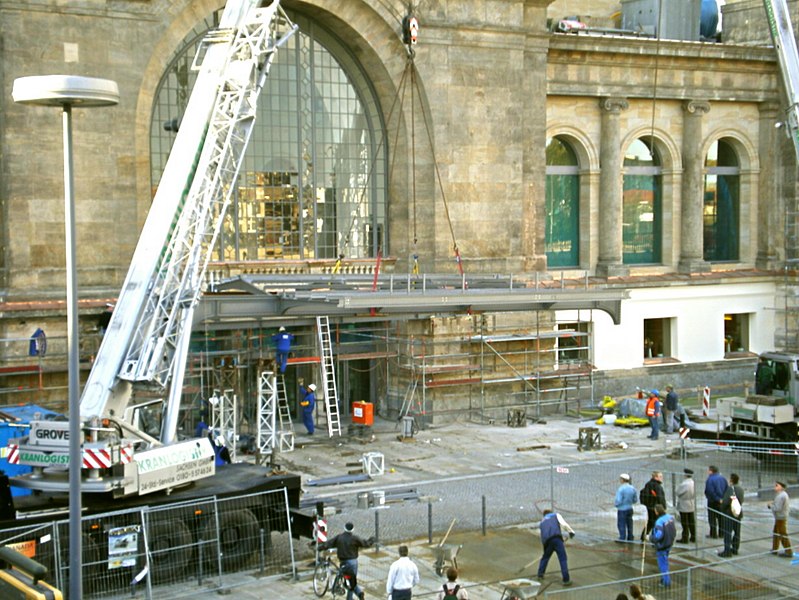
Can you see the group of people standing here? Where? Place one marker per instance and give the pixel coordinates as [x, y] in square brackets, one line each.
[403, 575]
[724, 501]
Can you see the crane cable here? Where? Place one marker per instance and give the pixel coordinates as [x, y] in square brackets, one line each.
[410, 68]
[456, 250]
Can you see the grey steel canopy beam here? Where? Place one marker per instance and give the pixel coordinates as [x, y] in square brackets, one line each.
[302, 302]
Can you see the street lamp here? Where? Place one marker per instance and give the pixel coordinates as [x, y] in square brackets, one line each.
[67, 91]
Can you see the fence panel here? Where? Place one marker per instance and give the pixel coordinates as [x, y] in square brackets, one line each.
[39, 542]
[113, 549]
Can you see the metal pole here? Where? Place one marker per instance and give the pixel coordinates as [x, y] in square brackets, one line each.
[75, 557]
[429, 522]
[484, 515]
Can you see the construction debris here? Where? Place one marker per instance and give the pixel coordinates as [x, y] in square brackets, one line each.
[535, 447]
[338, 479]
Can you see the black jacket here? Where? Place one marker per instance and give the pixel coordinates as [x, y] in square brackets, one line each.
[653, 493]
[346, 545]
[726, 500]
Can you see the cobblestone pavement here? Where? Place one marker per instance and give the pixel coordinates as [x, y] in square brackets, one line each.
[472, 453]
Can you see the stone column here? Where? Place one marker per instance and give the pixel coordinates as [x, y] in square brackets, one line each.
[610, 190]
[770, 227]
[693, 190]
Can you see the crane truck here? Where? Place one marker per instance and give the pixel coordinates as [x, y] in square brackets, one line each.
[146, 343]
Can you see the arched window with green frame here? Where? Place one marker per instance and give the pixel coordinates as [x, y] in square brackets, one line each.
[721, 216]
[642, 204]
[562, 239]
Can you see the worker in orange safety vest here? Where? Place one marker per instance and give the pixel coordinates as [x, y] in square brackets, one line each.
[653, 408]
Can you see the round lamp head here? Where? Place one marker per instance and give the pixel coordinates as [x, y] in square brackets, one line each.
[61, 90]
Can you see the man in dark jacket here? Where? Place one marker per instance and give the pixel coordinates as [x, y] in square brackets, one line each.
[730, 522]
[651, 495]
[553, 531]
[670, 408]
[663, 535]
[715, 486]
[347, 545]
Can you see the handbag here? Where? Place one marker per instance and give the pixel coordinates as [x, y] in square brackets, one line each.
[735, 506]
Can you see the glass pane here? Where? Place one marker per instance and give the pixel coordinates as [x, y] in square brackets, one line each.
[559, 153]
[721, 219]
[639, 154]
[641, 219]
[563, 220]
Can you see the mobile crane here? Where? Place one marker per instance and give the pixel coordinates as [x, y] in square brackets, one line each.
[146, 343]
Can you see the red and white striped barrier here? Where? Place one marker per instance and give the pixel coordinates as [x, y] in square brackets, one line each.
[13, 454]
[320, 531]
[705, 401]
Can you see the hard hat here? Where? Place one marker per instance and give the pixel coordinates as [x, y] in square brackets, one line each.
[655, 393]
[220, 441]
[312, 387]
[625, 476]
[282, 329]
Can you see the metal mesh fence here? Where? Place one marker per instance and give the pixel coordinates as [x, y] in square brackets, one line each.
[167, 547]
[582, 492]
[185, 547]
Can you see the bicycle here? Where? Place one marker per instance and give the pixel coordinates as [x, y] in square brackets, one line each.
[328, 573]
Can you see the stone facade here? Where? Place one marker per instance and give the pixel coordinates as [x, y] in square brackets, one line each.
[495, 84]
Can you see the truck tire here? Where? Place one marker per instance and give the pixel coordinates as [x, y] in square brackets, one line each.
[170, 547]
[238, 538]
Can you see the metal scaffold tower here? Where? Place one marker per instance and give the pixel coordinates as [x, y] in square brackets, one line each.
[275, 429]
[224, 419]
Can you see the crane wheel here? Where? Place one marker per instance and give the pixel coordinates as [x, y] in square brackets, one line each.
[171, 549]
[238, 538]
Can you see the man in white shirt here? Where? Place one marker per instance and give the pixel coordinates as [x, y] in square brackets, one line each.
[402, 576]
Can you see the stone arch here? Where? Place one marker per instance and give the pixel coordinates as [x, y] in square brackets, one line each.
[669, 151]
[745, 149]
[373, 36]
[586, 151]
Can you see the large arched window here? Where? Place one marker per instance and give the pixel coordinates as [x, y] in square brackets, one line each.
[721, 208]
[562, 240]
[313, 182]
[641, 218]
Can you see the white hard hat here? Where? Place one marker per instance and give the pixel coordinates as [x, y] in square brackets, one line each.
[220, 441]
[624, 476]
[282, 329]
[312, 387]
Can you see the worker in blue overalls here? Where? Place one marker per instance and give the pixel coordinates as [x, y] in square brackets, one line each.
[282, 340]
[307, 402]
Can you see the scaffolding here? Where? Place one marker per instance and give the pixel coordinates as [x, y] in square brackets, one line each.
[434, 367]
[499, 362]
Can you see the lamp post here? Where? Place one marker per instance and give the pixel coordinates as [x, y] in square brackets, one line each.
[67, 91]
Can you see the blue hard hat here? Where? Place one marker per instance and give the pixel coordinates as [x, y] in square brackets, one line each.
[655, 392]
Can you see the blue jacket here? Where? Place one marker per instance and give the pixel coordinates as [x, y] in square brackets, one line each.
[283, 341]
[308, 400]
[664, 532]
[626, 496]
[715, 486]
